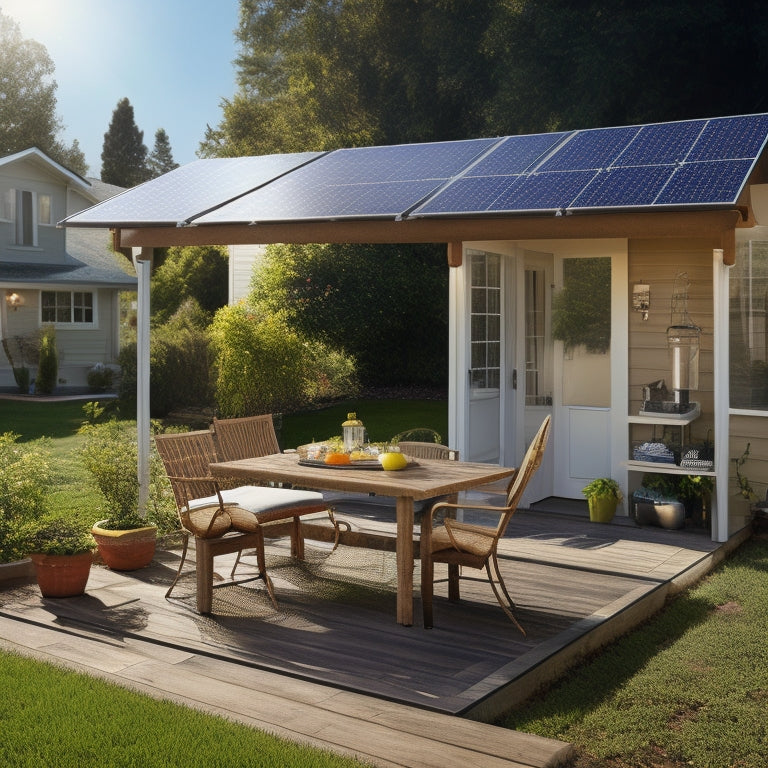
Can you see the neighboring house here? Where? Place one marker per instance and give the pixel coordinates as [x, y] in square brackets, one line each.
[666, 220]
[49, 275]
[242, 261]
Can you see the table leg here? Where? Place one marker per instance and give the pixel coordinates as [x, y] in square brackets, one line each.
[405, 560]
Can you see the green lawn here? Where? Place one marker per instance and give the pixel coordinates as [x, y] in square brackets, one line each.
[690, 688]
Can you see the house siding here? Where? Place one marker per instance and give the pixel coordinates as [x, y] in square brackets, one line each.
[752, 430]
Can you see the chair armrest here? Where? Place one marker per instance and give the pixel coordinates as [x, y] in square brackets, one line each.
[429, 513]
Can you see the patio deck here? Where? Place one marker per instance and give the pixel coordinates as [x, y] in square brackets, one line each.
[333, 667]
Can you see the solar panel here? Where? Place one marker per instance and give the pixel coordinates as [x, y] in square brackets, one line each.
[352, 183]
[184, 192]
[516, 154]
[719, 181]
[593, 149]
[631, 186]
[661, 144]
[731, 138]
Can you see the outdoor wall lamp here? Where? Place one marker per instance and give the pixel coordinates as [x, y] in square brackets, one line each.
[14, 300]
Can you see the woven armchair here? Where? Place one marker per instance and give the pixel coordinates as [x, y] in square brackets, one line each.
[224, 521]
[462, 544]
[250, 436]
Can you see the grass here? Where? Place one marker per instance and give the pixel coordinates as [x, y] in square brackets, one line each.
[53, 716]
[690, 688]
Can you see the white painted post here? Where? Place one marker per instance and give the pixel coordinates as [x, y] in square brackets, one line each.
[143, 271]
[722, 396]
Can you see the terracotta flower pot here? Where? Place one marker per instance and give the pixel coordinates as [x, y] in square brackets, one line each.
[602, 508]
[62, 575]
[126, 550]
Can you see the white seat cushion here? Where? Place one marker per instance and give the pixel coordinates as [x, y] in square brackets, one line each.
[258, 499]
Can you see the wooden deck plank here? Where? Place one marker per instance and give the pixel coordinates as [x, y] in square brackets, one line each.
[333, 651]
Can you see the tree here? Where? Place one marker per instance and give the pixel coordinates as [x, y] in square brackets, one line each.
[28, 100]
[160, 159]
[124, 156]
[196, 272]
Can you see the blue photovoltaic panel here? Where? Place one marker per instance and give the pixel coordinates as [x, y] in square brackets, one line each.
[543, 191]
[661, 144]
[627, 167]
[719, 181]
[731, 138]
[593, 149]
[624, 187]
[515, 155]
[355, 183]
[184, 192]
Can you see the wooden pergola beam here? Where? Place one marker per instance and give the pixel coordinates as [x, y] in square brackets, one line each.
[718, 224]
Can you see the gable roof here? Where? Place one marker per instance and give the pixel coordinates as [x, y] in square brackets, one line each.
[41, 160]
[694, 164]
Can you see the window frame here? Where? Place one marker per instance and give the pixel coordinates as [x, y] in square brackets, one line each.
[77, 304]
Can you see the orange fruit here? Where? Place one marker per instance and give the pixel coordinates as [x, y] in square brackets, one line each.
[337, 458]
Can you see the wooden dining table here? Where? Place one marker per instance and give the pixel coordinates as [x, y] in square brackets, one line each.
[422, 479]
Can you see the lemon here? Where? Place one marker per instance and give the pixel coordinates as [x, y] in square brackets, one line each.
[393, 460]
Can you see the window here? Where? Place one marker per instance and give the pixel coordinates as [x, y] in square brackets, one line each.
[27, 209]
[70, 307]
[748, 327]
[538, 385]
[485, 314]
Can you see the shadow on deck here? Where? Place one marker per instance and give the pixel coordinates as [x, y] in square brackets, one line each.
[577, 585]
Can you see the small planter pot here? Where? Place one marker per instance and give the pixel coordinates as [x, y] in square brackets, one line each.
[125, 550]
[62, 575]
[602, 508]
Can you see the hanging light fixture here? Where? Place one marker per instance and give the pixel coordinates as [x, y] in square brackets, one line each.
[683, 342]
[14, 300]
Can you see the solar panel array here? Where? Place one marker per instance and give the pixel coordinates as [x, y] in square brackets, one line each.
[693, 162]
[185, 192]
[664, 165]
[367, 182]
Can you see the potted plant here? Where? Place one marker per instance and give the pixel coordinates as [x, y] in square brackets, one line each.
[603, 496]
[24, 484]
[126, 540]
[61, 550]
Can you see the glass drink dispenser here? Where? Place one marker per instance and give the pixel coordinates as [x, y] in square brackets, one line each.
[683, 344]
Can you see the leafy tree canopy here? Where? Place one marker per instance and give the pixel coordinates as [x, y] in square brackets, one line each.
[196, 272]
[28, 100]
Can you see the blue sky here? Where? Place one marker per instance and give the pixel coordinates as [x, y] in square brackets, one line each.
[172, 59]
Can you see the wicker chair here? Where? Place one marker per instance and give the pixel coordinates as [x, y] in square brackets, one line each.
[245, 437]
[250, 436]
[420, 450]
[463, 544]
[224, 521]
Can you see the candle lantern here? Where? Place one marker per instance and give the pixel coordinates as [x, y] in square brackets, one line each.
[683, 345]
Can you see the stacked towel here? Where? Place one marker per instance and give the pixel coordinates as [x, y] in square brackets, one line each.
[655, 452]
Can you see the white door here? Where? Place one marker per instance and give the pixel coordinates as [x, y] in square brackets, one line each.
[582, 325]
[487, 397]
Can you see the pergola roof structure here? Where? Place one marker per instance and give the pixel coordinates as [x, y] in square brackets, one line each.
[678, 178]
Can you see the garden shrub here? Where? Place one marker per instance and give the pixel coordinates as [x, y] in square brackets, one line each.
[48, 367]
[262, 365]
[25, 482]
[180, 370]
[110, 454]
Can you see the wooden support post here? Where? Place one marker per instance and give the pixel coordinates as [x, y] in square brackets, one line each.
[455, 253]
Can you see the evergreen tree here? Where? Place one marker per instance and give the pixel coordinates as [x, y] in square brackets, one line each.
[160, 159]
[28, 100]
[124, 156]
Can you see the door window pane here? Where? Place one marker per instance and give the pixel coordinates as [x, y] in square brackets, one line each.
[748, 327]
[485, 321]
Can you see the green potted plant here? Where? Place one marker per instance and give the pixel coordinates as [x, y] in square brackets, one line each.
[24, 484]
[126, 540]
[61, 550]
[603, 496]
